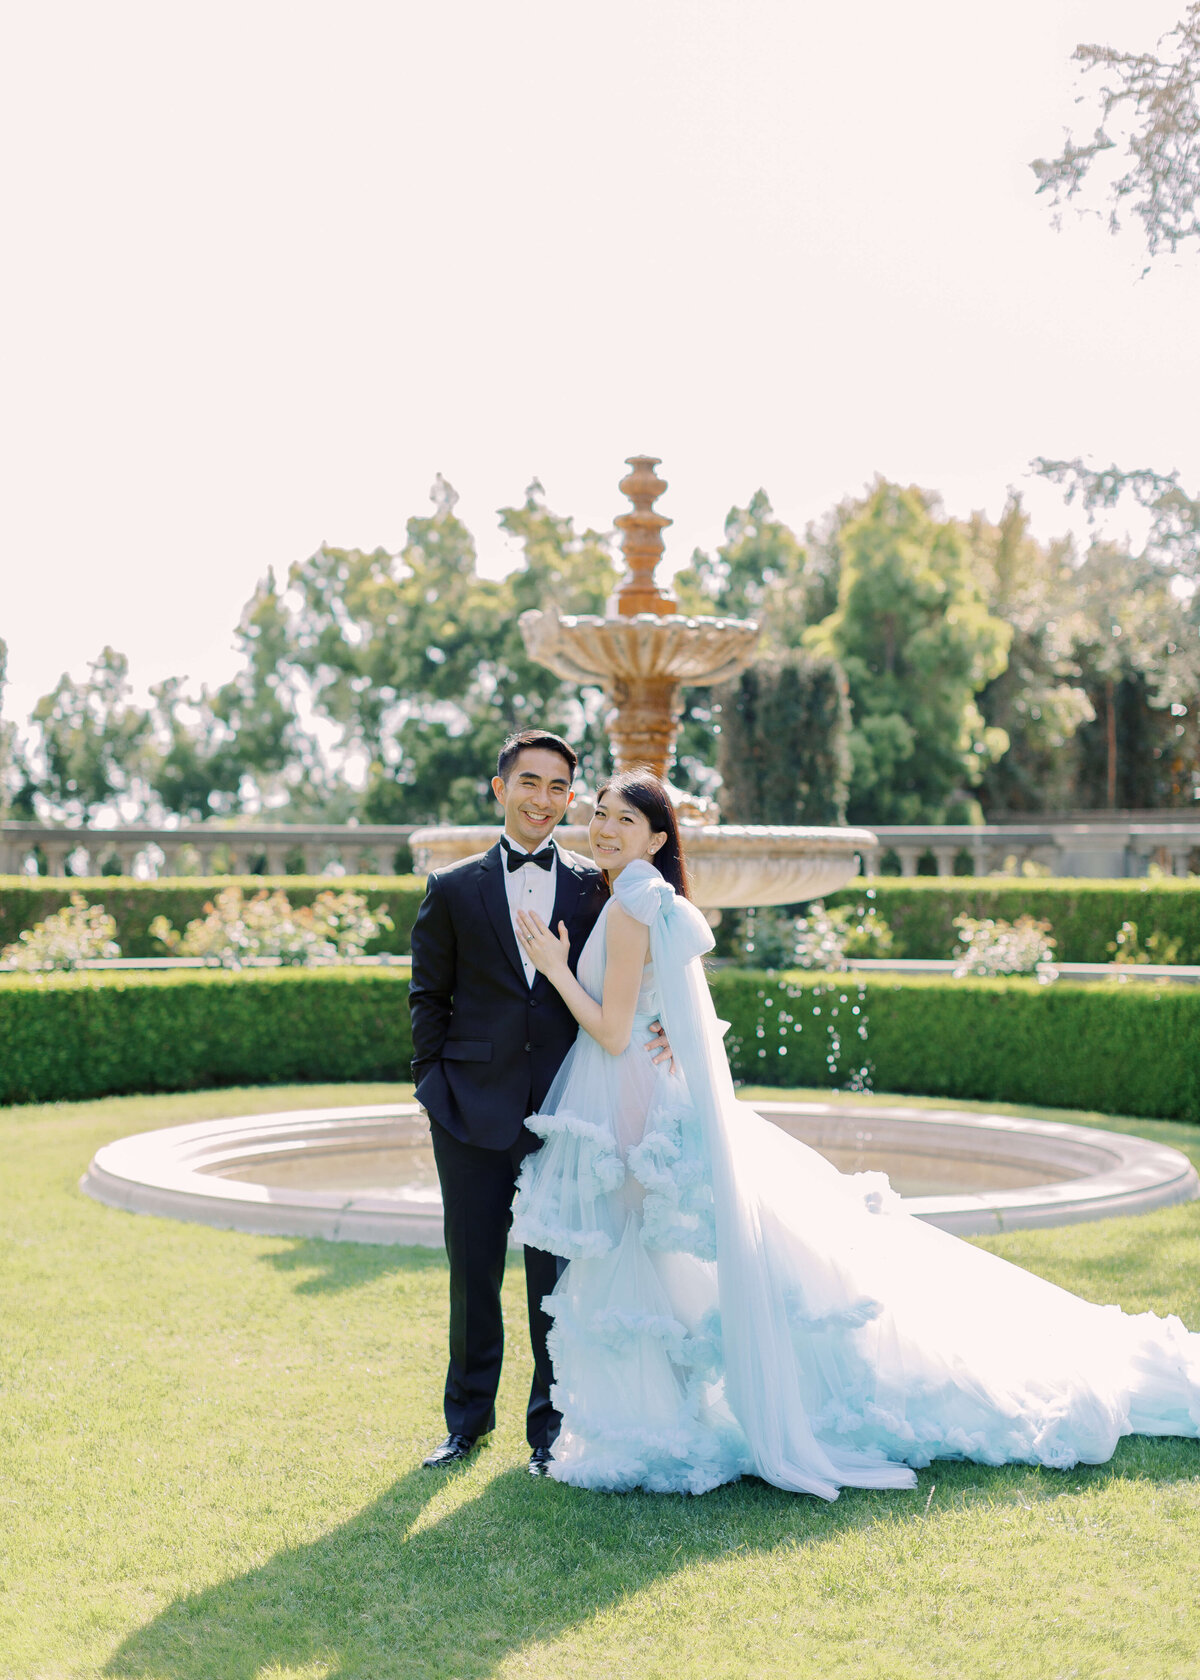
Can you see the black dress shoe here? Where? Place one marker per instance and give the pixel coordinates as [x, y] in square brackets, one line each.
[452, 1451]
[540, 1460]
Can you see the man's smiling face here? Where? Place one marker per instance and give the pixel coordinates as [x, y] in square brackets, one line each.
[535, 796]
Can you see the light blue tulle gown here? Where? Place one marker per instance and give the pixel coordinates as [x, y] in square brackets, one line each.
[734, 1304]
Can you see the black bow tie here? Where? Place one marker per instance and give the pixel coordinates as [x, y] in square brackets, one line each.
[517, 860]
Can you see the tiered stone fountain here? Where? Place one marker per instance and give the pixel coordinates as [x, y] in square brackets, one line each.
[642, 654]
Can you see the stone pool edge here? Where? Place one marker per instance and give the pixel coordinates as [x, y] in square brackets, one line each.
[151, 1172]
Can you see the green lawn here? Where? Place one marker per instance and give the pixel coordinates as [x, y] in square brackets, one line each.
[210, 1469]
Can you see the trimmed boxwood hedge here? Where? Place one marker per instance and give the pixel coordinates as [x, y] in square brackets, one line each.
[70, 1036]
[1118, 1048]
[26, 900]
[1132, 1049]
[1083, 915]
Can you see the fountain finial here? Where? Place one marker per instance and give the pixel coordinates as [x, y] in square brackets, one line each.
[641, 542]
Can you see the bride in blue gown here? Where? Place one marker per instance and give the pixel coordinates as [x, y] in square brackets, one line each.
[732, 1303]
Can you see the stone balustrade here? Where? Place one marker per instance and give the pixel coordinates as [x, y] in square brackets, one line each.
[1103, 847]
[1106, 846]
[323, 849]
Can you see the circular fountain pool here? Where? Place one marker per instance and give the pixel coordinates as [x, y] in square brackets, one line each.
[367, 1174]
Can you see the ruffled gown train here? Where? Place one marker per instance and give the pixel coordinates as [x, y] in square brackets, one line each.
[734, 1304]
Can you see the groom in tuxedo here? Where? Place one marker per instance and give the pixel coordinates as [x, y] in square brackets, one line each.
[489, 1034]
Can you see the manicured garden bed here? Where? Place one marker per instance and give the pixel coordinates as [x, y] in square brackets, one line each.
[211, 1472]
[26, 900]
[1084, 916]
[1120, 1049]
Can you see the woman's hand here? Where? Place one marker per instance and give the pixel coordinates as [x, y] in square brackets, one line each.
[548, 953]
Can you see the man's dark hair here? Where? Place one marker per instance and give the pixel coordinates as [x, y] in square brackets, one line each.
[538, 739]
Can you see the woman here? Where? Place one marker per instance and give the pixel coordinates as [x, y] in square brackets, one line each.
[734, 1304]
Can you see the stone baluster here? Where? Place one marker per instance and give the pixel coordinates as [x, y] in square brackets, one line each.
[57, 852]
[908, 856]
[944, 857]
[1180, 856]
[171, 845]
[126, 855]
[277, 851]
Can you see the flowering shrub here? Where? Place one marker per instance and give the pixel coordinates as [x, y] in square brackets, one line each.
[765, 939]
[999, 947]
[235, 930]
[826, 938]
[821, 938]
[1128, 948]
[76, 933]
[867, 933]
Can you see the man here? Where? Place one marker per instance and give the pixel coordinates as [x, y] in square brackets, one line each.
[489, 1034]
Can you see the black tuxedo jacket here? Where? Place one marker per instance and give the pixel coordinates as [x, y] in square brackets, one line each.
[485, 1045]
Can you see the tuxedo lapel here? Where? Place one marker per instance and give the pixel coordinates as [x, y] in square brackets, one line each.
[495, 902]
[566, 891]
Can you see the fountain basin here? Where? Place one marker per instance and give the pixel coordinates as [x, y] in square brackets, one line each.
[367, 1174]
[645, 647]
[731, 866]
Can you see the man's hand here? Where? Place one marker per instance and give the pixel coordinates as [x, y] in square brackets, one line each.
[660, 1046]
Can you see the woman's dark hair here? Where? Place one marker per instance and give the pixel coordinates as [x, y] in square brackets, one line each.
[534, 738]
[646, 793]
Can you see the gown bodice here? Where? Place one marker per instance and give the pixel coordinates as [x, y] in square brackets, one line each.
[590, 971]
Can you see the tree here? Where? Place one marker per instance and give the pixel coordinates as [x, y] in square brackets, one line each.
[1135, 640]
[573, 571]
[1173, 539]
[758, 572]
[1037, 700]
[93, 743]
[1152, 98]
[1152, 663]
[420, 664]
[242, 746]
[918, 644]
[783, 753]
[8, 741]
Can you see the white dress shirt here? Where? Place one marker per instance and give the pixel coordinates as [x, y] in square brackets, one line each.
[532, 890]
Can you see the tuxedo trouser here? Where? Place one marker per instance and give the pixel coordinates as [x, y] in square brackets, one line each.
[478, 1186]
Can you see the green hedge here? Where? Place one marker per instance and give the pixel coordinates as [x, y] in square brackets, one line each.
[1120, 1049]
[70, 1036]
[26, 900]
[1084, 915]
[1132, 1049]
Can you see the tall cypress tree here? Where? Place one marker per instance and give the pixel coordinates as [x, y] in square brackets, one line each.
[783, 749]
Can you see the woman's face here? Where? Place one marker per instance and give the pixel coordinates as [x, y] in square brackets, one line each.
[619, 833]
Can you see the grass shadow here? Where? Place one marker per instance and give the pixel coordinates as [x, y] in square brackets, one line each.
[449, 1575]
[328, 1267]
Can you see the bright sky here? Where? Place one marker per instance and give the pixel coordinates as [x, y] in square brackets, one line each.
[270, 265]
